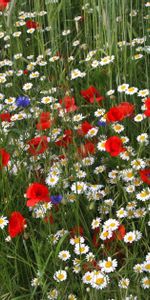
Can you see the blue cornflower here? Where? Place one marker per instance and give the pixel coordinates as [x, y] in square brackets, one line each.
[101, 123]
[56, 199]
[22, 101]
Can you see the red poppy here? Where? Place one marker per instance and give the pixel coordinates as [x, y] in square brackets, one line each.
[147, 104]
[38, 145]
[118, 113]
[90, 266]
[68, 103]
[85, 127]
[3, 4]
[86, 149]
[4, 158]
[76, 230]
[49, 219]
[25, 72]
[5, 117]
[37, 192]
[16, 224]
[31, 24]
[115, 114]
[145, 175]
[66, 139]
[126, 108]
[45, 121]
[91, 94]
[117, 235]
[114, 145]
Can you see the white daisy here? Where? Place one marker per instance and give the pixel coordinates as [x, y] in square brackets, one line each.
[3, 222]
[109, 265]
[60, 275]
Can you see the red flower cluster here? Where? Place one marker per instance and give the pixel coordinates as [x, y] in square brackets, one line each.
[4, 158]
[85, 127]
[31, 24]
[38, 145]
[76, 230]
[66, 139]
[16, 224]
[91, 94]
[145, 175]
[37, 192]
[117, 235]
[3, 4]
[147, 104]
[68, 103]
[5, 117]
[120, 112]
[114, 145]
[86, 149]
[44, 122]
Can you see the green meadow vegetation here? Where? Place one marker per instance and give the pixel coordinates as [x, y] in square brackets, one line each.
[74, 149]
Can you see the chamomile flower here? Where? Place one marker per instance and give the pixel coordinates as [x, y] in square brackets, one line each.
[105, 234]
[81, 249]
[92, 132]
[35, 282]
[118, 128]
[145, 282]
[27, 86]
[72, 297]
[144, 195]
[77, 73]
[88, 161]
[137, 56]
[124, 283]
[139, 118]
[138, 268]
[99, 280]
[10, 100]
[138, 164]
[131, 91]
[143, 138]
[51, 180]
[121, 213]
[127, 175]
[90, 257]
[77, 240]
[146, 266]
[53, 294]
[66, 32]
[101, 145]
[64, 255]
[143, 93]
[87, 277]
[111, 225]
[122, 88]
[109, 265]
[99, 112]
[78, 118]
[78, 187]
[130, 237]
[107, 60]
[110, 92]
[47, 99]
[60, 275]
[34, 75]
[3, 222]
[31, 30]
[96, 223]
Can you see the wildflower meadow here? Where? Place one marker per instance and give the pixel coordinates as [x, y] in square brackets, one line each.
[74, 149]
